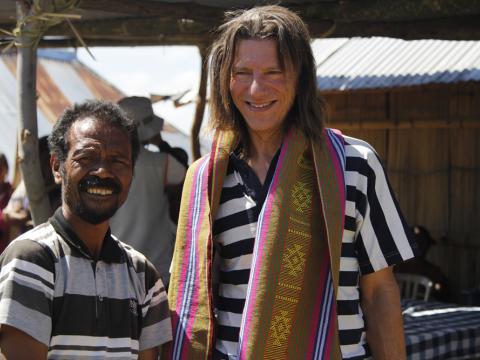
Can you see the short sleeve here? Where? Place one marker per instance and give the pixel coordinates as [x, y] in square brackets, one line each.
[156, 324]
[27, 288]
[383, 238]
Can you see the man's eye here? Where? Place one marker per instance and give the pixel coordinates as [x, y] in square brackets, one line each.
[274, 72]
[85, 158]
[241, 72]
[121, 161]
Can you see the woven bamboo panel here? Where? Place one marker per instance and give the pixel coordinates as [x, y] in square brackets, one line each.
[465, 186]
[435, 174]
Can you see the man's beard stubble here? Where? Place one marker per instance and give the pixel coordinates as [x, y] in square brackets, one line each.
[91, 215]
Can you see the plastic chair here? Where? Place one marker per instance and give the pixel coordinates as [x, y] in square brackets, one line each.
[414, 286]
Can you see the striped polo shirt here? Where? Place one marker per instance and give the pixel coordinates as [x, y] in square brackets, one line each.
[375, 237]
[82, 308]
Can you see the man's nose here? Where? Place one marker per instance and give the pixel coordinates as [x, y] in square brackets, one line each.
[257, 86]
[102, 170]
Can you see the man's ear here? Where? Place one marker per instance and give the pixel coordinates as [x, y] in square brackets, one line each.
[56, 169]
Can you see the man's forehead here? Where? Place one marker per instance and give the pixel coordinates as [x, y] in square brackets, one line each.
[92, 129]
[84, 123]
[282, 58]
[270, 42]
[89, 123]
[79, 126]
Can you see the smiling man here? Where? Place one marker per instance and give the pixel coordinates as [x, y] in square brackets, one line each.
[68, 288]
[288, 230]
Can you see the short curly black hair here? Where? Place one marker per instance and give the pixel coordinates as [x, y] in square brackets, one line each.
[101, 110]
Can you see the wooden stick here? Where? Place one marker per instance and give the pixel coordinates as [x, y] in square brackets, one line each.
[27, 125]
[414, 124]
[201, 101]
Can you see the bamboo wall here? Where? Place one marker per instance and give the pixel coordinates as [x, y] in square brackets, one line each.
[429, 139]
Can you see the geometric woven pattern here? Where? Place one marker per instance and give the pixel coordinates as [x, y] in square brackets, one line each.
[304, 163]
[280, 327]
[302, 196]
[295, 259]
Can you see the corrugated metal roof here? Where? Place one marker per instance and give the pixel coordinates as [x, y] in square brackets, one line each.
[366, 63]
[8, 115]
[75, 88]
[60, 55]
[324, 48]
[61, 81]
[179, 120]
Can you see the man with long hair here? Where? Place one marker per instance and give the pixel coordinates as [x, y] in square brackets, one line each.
[287, 230]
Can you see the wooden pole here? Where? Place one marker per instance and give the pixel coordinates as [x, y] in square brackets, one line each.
[201, 101]
[27, 123]
[439, 123]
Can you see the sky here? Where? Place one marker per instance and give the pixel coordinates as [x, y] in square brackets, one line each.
[160, 70]
[146, 70]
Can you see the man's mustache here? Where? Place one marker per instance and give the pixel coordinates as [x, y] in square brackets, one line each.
[95, 181]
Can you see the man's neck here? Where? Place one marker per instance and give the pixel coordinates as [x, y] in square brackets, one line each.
[263, 148]
[91, 235]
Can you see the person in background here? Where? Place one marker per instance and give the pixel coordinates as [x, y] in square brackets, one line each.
[18, 208]
[288, 231]
[421, 266]
[174, 190]
[144, 219]
[5, 193]
[70, 290]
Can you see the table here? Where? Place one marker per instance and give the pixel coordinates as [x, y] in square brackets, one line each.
[435, 330]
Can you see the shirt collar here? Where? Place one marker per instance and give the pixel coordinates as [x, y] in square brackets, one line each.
[251, 183]
[110, 252]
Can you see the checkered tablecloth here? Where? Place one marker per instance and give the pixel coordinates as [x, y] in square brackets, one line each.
[441, 331]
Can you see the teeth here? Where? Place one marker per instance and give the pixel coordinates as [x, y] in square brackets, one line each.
[260, 106]
[99, 191]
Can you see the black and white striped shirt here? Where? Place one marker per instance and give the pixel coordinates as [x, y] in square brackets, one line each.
[81, 308]
[375, 236]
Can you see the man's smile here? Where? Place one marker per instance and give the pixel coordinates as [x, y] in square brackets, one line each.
[96, 186]
[99, 191]
[260, 106]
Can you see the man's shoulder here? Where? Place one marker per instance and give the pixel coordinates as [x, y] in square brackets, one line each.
[27, 276]
[362, 159]
[198, 164]
[31, 258]
[129, 250]
[43, 232]
[135, 258]
[195, 171]
[37, 242]
[355, 147]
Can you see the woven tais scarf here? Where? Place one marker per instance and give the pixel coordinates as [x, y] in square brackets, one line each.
[290, 305]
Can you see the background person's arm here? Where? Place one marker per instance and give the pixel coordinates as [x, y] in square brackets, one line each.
[148, 354]
[15, 344]
[384, 323]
